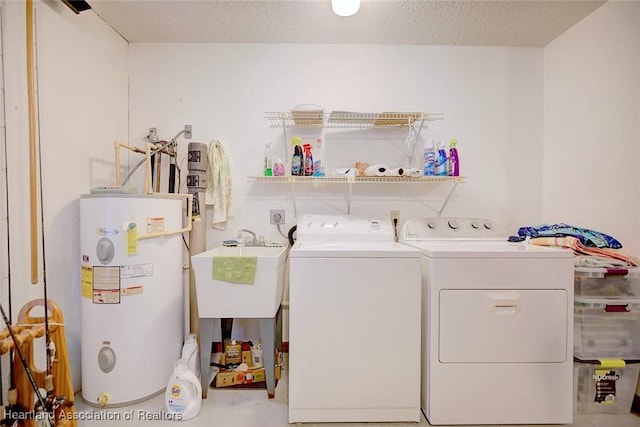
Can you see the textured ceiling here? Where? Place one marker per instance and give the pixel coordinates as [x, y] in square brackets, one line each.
[411, 22]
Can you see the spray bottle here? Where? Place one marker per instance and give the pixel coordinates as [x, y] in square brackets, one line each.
[441, 161]
[318, 165]
[268, 171]
[454, 159]
[296, 159]
[308, 160]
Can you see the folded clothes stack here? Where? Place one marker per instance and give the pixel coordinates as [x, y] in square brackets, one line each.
[591, 248]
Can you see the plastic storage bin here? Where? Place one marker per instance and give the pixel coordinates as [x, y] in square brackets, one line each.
[607, 283]
[603, 390]
[607, 328]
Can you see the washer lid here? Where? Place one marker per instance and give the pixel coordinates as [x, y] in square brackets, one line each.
[487, 249]
[302, 249]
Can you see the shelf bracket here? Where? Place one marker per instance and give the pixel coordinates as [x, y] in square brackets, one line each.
[444, 204]
[350, 183]
[293, 197]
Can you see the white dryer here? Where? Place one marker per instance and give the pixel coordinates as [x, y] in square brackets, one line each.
[354, 323]
[497, 325]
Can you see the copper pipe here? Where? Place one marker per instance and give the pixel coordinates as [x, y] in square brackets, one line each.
[32, 145]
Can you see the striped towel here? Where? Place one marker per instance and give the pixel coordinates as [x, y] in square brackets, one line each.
[580, 249]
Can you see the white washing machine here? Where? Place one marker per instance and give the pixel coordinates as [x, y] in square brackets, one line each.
[497, 325]
[354, 323]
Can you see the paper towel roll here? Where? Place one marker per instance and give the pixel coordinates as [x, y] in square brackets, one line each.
[413, 172]
[395, 172]
[376, 170]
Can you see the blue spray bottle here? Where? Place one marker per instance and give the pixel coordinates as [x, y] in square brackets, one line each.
[441, 161]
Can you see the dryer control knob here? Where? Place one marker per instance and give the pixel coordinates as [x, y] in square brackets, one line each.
[475, 224]
[488, 225]
[431, 224]
[453, 224]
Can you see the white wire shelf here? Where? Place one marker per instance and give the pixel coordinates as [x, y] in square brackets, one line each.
[294, 181]
[358, 179]
[348, 119]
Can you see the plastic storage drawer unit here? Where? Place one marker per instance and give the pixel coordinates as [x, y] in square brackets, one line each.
[604, 390]
[610, 283]
[606, 328]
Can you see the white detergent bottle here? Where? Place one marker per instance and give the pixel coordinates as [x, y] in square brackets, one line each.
[191, 353]
[183, 395]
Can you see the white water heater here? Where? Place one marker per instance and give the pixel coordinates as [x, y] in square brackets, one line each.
[132, 297]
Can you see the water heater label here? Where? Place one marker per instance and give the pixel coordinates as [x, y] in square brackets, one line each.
[132, 238]
[106, 285]
[87, 281]
[155, 225]
[106, 297]
[136, 270]
[132, 290]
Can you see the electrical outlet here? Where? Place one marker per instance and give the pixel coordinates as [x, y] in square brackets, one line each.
[394, 216]
[187, 131]
[276, 216]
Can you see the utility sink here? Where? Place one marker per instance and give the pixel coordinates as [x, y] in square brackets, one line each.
[226, 299]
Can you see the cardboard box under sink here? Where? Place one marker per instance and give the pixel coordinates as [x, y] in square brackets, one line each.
[222, 299]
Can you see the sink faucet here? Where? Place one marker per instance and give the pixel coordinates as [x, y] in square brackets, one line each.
[254, 240]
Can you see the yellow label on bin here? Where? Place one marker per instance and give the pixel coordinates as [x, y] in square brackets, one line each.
[612, 363]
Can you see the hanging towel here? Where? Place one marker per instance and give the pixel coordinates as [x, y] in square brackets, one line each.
[234, 269]
[219, 185]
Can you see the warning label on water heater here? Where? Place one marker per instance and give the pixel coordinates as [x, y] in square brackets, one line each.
[133, 271]
[86, 278]
[155, 225]
[106, 285]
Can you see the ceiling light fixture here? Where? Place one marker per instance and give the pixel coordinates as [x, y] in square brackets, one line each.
[345, 7]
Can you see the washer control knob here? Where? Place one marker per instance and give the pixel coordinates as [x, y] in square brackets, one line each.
[431, 225]
[475, 224]
[453, 224]
[375, 224]
[488, 225]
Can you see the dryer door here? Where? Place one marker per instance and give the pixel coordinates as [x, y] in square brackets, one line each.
[503, 326]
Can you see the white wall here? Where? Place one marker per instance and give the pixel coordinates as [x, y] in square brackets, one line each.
[82, 106]
[491, 99]
[592, 123]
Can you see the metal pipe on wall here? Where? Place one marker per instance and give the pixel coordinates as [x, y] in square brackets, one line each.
[196, 185]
